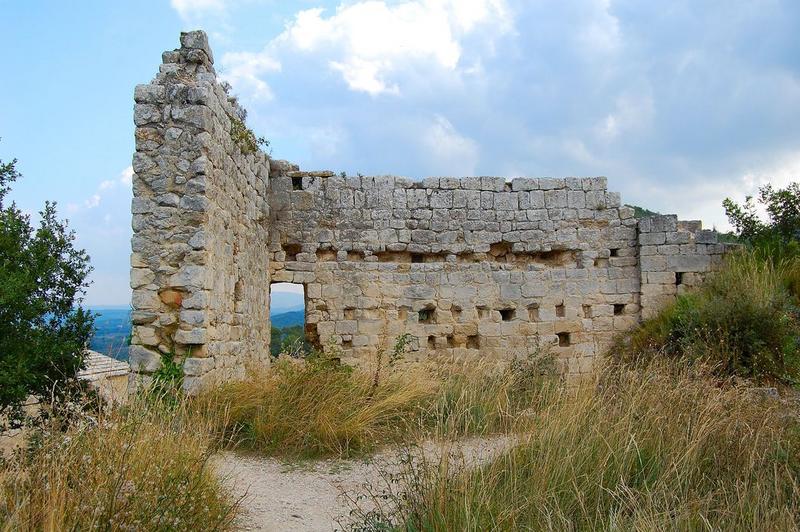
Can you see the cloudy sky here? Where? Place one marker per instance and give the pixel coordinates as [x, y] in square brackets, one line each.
[679, 103]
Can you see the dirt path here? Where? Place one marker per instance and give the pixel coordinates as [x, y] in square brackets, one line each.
[280, 496]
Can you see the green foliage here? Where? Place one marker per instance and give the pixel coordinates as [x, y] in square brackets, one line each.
[290, 341]
[244, 137]
[43, 330]
[167, 384]
[641, 212]
[743, 321]
[778, 235]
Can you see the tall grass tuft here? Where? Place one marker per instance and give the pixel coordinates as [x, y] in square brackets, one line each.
[645, 449]
[743, 321]
[141, 467]
[314, 407]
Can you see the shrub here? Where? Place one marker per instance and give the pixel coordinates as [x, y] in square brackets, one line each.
[42, 279]
[138, 468]
[743, 321]
[646, 449]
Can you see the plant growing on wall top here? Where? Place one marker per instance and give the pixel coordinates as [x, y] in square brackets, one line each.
[242, 135]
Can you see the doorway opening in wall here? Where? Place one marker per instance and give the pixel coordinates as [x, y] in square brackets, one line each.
[287, 312]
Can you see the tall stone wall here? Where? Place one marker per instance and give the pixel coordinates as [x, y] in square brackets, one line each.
[200, 260]
[474, 267]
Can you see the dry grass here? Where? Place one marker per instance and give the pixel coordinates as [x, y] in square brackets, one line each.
[646, 449]
[144, 467]
[314, 408]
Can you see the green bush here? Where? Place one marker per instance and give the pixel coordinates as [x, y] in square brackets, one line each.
[743, 321]
[43, 330]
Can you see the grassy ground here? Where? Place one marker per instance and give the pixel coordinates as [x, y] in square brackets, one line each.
[647, 449]
[143, 467]
[320, 409]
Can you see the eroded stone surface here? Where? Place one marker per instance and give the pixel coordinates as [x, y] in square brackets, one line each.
[470, 267]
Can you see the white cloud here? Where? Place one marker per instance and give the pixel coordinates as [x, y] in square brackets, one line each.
[106, 186]
[187, 8]
[244, 70]
[370, 41]
[287, 287]
[632, 113]
[601, 33]
[92, 202]
[452, 153]
[126, 176]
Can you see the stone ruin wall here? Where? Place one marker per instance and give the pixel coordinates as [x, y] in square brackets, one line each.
[476, 267]
[200, 259]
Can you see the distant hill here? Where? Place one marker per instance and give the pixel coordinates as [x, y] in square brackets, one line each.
[288, 319]
[113, 326]
[285, 302]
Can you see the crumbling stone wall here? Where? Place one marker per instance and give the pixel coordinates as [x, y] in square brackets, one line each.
[469, 267]
[675, 256]
[200, 261]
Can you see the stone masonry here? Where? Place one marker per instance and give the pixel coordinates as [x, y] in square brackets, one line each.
[474, 267]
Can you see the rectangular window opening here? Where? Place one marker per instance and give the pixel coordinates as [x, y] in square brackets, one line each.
[417, 258]
[563, 339]
[431, 342]
[297, 183]
[678, 278]
[451, 341]
[507, 314]
[426, 315]
[614, 252]
[619, 309]
[291, 333]
[473, 342]
[587, 311]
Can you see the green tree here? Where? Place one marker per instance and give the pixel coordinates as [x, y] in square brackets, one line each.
[783, 212]
[43, 329]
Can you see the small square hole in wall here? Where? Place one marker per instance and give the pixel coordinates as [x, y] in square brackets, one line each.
[297, 183]
[587, 311]
[619, 309]
[678, 278]
[417, 258]
[451, 341]
[456, 311]
[473, 342]
[426, 315]
[349, 313]
[431, 342]
[614, 252]
[347, 344]
[483, 312]
[601, 262]
[533, 312]
[561, 310]
[563, 339]
[507, 314]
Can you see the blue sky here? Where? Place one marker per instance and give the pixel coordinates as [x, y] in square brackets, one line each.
[679, 103]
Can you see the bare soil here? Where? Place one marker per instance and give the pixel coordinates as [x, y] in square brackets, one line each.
[315, 495]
